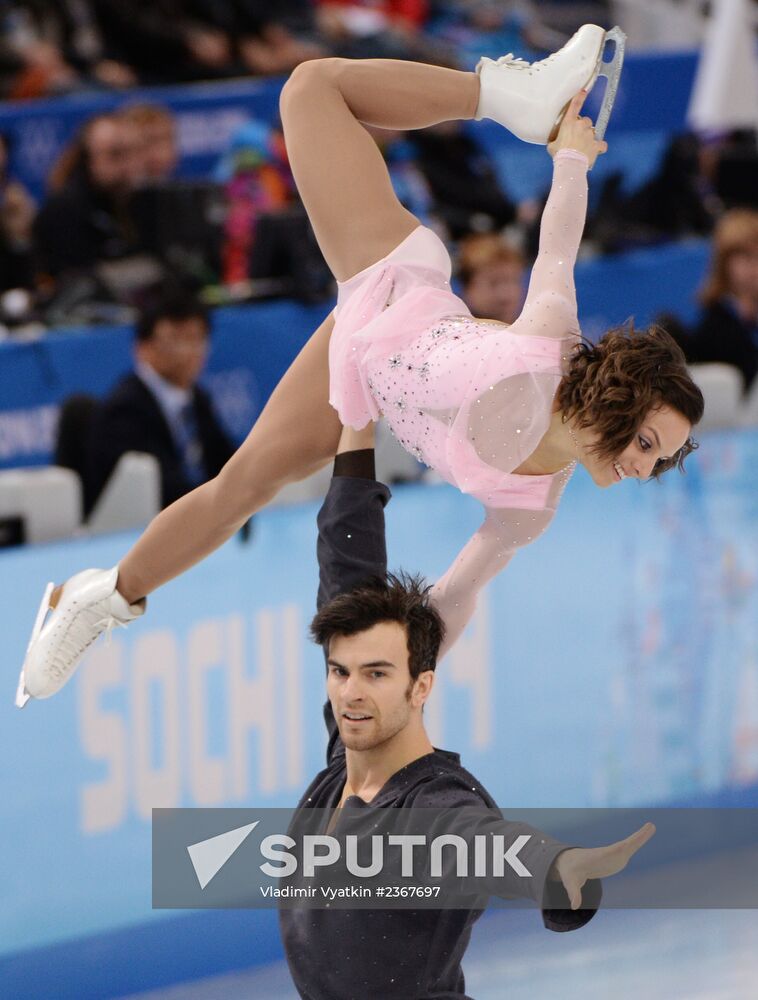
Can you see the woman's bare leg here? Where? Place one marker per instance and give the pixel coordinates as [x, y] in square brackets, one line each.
[340, 173]
[296, 433]
[358, 220]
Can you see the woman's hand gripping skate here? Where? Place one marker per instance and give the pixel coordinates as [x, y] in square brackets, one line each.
[577, 133]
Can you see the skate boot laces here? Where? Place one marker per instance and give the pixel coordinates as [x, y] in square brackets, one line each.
[515, 62]
[81, 630]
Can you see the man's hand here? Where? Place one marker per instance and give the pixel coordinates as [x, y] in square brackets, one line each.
[574, 866]
[577, 133]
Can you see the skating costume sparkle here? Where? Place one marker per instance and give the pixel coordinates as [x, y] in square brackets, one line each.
[470, 398]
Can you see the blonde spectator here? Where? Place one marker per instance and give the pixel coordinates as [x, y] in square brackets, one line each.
[491, 271]
[728, 327]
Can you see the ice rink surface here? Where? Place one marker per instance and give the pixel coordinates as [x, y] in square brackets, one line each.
[624, 955]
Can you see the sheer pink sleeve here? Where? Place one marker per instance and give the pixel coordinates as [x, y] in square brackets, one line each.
[512, 415]
[561, 229]
[503, 531]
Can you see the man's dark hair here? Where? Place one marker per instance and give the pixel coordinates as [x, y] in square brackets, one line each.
[400, 598]
[170, 302]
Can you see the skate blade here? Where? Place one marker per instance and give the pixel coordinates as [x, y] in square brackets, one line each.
[22, 696]
[612, 72]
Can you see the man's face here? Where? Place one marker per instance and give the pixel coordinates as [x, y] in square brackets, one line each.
[177, 350]
[113, 152]
[370, 688]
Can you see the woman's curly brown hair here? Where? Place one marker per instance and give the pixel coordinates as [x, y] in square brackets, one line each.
[611, 386]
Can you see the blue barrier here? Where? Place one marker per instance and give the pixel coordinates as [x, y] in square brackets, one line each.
[641, 690]
[640, 285]
[253, 345]
[652, 97]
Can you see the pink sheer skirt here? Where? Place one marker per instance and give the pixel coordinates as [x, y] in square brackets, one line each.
[382, 310]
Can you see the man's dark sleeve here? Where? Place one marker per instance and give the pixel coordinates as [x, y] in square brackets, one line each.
[351, 544]
[465, 817]
[351, 547]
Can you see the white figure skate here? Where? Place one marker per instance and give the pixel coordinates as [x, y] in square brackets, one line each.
[530, 99]
[88, 606]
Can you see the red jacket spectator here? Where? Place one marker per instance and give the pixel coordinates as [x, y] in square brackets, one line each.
[398, 13]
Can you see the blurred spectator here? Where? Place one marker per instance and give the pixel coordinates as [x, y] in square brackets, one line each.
[268, 244]
[391, 29]
[267, 39]
[184, 40]
[159, 408]
[728, 327]
[164, 41]
[678, 201]
[465, 188]
[72, 437]
[32, 64]
[734, 168]
[362, 17]
[492, 274]
[492, 27]
[58, 46]
[85, 219]
[177, 221]
[256, 180]
[157, 139]
[17, 211]
[567, 16]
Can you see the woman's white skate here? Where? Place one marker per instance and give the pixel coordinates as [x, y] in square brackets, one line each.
[88, 605]
[530, 99]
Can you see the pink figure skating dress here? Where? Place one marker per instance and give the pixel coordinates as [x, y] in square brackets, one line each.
[468, 397]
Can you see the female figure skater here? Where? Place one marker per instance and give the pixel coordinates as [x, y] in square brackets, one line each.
[504, 413]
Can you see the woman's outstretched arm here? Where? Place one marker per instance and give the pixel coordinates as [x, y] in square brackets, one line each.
[574, 150]
[486, 553]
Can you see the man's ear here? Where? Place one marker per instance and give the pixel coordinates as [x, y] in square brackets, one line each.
[422, 688]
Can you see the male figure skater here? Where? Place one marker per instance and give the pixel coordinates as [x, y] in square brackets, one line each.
[381, 637]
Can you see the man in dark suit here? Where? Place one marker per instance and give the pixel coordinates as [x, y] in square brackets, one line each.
[159, 408]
